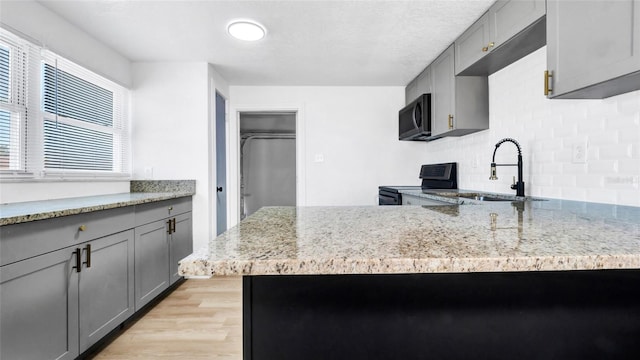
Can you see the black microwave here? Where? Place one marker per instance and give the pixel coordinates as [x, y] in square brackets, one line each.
[414, 120]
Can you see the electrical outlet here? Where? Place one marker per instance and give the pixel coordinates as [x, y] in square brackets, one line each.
[318, 158]
[622, 182]
[579, 154]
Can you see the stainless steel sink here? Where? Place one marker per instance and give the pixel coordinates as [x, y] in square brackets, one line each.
[493, 198]
[486, 197]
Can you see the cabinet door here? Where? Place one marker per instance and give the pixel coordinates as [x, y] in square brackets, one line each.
[151, 261]
[509, 17]
[106, 286]
[424, 82]
[591, 42]
[181, 243]
[443, 93]
[473, 44]
[411, 91]
[39, 312]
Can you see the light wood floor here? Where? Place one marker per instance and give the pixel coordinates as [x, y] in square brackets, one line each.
[201, 319]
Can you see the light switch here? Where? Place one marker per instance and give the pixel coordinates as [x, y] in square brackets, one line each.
[148, 173]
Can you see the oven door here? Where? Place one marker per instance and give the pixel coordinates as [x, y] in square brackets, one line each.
[389, 198]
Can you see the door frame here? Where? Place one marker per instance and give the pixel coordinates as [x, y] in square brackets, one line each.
[216, 86]
[233, 157]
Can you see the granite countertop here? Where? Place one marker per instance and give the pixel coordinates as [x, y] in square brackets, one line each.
[499, 236]
[142, 192]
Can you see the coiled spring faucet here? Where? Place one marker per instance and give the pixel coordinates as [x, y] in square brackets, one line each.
[517, 186]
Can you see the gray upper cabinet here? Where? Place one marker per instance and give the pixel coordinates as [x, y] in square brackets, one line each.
[593, 48]
[418, 86]
[473, 44]
[460, 104]
[509, 17]
[508, 31]
[443, 96]
[411, 91]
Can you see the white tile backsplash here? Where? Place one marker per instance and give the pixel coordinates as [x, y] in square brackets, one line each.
[547, 130]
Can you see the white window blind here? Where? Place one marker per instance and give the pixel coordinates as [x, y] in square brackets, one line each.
[58, 119]
[15, 74]
[84, 121]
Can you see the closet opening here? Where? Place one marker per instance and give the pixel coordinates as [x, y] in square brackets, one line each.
[267, 160]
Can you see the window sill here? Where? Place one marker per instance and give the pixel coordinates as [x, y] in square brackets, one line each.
[30, 178]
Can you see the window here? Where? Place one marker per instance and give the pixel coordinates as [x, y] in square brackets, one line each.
[58, 119]
[83, 126]
[5, 115]
[13, 106]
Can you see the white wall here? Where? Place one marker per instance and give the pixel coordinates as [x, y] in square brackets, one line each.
[172, 112]
[269, 173]
[353, 128]
[13, 191]
[47, 28]
[547, 131]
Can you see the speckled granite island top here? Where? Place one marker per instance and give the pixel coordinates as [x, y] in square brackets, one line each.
[533, 236]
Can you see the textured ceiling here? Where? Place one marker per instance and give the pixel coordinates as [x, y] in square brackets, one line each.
[308, 42]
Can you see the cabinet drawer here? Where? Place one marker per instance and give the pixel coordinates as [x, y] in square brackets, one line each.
[146, 213]
[25, 240]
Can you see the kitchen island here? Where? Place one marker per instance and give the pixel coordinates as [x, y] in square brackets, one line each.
[535, 279]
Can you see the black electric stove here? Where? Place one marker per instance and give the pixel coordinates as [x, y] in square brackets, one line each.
[434, 177]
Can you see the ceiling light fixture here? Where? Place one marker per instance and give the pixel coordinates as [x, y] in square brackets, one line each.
[247, 30]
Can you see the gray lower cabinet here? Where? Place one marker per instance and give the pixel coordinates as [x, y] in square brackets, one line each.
[460, 104]
[508, 31]
[593, 48]
[106, 286]
[163, 236]
[181, 243]
[39, 311]
[53, 309]
[152, 261]
[67, 282]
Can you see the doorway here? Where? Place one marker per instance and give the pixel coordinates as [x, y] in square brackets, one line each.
[267, 160]
[221, 166]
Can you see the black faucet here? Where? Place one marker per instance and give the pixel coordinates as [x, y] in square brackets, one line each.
[518, 186]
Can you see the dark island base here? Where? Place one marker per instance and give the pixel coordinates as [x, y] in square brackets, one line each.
[524, 315]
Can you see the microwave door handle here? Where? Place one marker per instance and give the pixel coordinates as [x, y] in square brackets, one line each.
[416, 109]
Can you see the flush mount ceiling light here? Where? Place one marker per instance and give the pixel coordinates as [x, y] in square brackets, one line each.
[247, 30]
